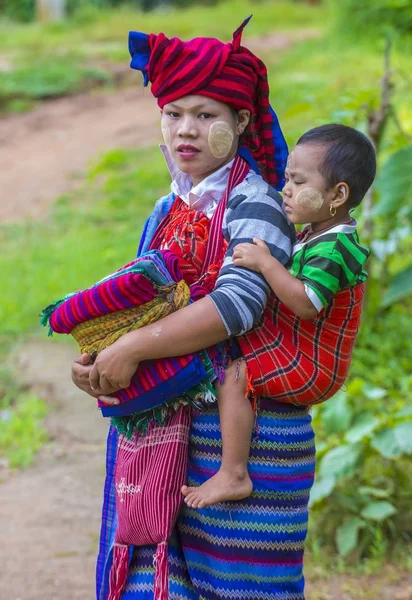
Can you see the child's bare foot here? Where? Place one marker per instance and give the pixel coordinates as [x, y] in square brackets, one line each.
[221, 487]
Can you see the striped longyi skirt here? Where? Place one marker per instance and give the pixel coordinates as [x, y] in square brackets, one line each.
[246, 550]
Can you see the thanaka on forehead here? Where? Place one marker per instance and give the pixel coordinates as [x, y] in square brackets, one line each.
[292, 173]
[198, 106]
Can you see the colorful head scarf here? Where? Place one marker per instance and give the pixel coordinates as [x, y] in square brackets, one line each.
[228, 73]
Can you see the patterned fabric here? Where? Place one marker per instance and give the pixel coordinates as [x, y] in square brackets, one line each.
[228, 73]
[156, 382]
[150, 471]
[303, 361]
[330, 262]
[254, 209]
[211, 554]
[247, 550]
[160, 210]
[132, 285]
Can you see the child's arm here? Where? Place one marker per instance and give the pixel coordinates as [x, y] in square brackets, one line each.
[288, 289]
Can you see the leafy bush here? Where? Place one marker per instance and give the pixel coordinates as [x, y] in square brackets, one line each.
[19, 10]
[362, 487]
[377, 17]
[46, 79]
[24, 10]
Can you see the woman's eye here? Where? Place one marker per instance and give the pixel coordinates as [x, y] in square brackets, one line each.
[205, 116]
[172, 114]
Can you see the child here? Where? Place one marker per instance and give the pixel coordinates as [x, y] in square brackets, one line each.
[328, 173]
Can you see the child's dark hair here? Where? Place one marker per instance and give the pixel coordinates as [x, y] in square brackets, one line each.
[349, 157]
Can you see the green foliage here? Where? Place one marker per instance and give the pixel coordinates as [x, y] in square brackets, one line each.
[19, 10]
[393, 212]
[399, 288]
[45, 80]
[61, 58]
[315, 82]
[169, 16]
[21, 429]
[372, 17]
[362, 487]
[89, 234]
[394, 184]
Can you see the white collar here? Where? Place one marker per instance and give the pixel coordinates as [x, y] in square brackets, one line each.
[204, 196]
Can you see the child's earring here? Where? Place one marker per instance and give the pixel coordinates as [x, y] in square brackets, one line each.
[332, 210]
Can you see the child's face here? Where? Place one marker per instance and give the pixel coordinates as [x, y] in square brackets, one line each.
[305, 196]
[201, 134]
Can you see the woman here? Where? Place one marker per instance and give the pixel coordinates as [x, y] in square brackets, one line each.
[215, 108]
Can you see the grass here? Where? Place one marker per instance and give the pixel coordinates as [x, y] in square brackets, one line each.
[21, 415]
[316, 82]
[54, 59]
[87, 236]
[99, 31]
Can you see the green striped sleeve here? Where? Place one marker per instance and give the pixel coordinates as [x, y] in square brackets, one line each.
[330, 264]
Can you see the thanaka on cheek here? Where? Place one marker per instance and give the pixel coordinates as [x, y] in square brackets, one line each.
[309, 199]
[220, 139]
[166, 134]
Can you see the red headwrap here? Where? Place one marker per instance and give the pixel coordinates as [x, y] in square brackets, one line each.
[228, 73]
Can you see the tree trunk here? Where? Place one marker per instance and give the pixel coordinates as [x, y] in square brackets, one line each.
[50, 10]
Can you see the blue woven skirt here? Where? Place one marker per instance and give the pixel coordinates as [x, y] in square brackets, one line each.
[246, 550]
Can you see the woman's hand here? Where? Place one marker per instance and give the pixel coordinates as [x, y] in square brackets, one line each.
[254, 256]
[81, 368]
[114, 367]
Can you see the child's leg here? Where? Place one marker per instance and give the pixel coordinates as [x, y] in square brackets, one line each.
[232, 481]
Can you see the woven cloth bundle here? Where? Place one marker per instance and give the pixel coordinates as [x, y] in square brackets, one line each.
[141, 292]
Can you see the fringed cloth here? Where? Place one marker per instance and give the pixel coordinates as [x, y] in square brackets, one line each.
[157, 385]
[301, 361]
[150, 472]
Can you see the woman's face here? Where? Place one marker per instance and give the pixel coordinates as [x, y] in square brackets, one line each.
[201, 134]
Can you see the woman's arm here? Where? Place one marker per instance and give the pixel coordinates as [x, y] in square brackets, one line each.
[233, 307]
[192, 328]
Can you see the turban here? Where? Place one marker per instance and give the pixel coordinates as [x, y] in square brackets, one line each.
[229, 73]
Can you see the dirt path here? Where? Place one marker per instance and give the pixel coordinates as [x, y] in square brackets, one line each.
[50, 513]
[44, 153]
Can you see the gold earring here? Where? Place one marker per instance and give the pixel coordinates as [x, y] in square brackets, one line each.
[332, 210]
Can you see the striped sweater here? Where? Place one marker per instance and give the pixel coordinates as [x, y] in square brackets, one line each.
[254, 209]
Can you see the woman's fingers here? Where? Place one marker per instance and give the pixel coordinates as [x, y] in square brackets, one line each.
[94, 377]
[109, 400]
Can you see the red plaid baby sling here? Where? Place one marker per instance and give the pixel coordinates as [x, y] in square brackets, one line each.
[151, 469]
[301, 361]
